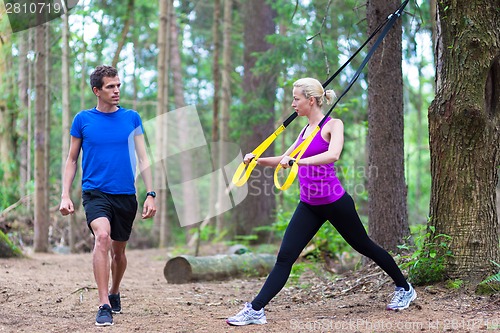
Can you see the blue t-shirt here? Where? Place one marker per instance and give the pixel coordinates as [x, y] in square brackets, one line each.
[108, 147]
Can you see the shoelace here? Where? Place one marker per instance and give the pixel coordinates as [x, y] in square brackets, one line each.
[398, 296]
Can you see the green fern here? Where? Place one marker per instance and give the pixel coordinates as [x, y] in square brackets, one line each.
[494, 278]
[491, 285]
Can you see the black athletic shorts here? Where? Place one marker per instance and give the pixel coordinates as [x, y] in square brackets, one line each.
[119, 209]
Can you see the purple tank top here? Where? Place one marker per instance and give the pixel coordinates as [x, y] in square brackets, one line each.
[319, 184]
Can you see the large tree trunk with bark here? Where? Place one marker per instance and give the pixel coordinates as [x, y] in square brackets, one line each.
[258, 120]
[464, 127]
[387, 213]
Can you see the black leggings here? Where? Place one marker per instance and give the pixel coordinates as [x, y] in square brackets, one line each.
[304, 224]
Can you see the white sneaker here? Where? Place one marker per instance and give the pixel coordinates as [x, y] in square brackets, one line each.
[248, 316]
[402, 298]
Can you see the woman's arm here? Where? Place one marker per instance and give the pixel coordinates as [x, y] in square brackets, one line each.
[271, 161]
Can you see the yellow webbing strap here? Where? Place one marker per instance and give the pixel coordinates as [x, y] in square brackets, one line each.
[238, 178]
[299, 151]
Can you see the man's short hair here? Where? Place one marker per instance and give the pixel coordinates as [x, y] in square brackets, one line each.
[100, 72]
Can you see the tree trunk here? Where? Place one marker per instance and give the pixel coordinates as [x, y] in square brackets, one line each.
[216, 74]
[41, 181]
[464, 122]
[226, 98]
[186, 269]
[387, 212]
[22, 87]
[66, 115]
[8, 117]
[258, 119]
[161, 218]
[189, 205]
[129, 17]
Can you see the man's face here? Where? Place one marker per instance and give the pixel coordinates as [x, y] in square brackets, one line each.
[110, 91]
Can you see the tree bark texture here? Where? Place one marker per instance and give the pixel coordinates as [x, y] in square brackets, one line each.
[225, 105]
[161, 226]
[41, 182]
[22, 86]
[258, 122]
[186, 269]
[464, 121]
[387, 211]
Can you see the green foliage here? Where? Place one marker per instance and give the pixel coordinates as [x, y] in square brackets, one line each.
[298, 269]
[454, 284]
[427, 262]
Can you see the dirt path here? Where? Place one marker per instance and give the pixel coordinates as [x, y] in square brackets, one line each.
[55, 293]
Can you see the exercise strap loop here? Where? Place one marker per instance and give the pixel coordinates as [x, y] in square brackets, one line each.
[300, 150]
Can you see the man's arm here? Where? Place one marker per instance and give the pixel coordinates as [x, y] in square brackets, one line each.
[149, 208]
[66, 206]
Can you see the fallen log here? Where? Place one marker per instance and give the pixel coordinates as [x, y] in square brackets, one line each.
[186, 269]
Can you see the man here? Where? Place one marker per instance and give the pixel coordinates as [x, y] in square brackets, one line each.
[109, 137]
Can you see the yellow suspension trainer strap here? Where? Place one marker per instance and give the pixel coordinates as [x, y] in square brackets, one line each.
[297, 155]
[300, 150]
[240, 178]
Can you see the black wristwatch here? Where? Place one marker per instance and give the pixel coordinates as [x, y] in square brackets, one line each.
[151, 194]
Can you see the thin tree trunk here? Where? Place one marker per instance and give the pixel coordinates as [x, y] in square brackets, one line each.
[30, 134]
[387, 214]
[464, 129]
[41, 207]
[129, 17]
[216, 73]
[66, 115]
[8, 158]
[47, 75]
[23, 84]
[161, 218]
[190, 202]
[226, 99]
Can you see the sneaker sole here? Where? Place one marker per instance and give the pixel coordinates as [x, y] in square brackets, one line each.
[103, 324]
[115, 312]
[412, 299]
[243, 323]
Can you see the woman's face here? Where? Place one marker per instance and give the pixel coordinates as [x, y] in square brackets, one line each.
[300, 103]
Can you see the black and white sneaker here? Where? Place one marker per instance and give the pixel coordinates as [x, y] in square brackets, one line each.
[104, 316]
[116, 305]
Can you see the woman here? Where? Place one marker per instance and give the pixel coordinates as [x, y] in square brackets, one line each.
[322, 198]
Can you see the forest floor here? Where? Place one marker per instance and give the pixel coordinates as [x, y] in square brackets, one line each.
[56, 293]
